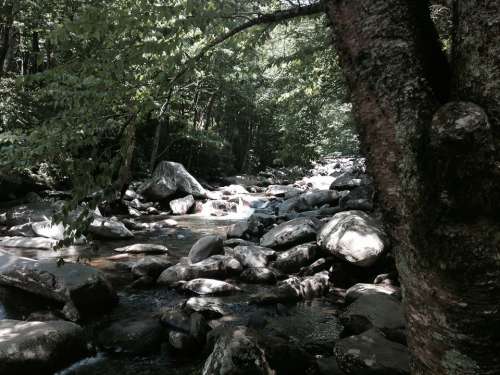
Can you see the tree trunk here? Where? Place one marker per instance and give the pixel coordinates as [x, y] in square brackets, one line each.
[435, 168]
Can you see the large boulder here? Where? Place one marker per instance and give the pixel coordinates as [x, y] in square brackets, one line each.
[39, 347]
[206, 247]
[362, 289]
[355, 237]
[170, 178]
[316, 198]
[371, 353]
[151, 266]
[209, 286]
[210, 307]
[109, 228]
[258, 276]
[252, 256]
[181, 206]
[292, 232]
[297, 257]
[81, 289]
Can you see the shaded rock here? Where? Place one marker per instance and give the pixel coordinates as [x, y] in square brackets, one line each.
[252, 256]
[206, 247]
[379, 311]
[259, 275]
[24, 230]
[175, 319]
[259, 222]
[210, 307]
[295, 231]
[348, 181]
[39, 347]
[181, 206]
[322, 264]
[182, 341]
[292, 260]
[132, 336]
[209, 286]
[288, 206]
[170, 178]
[362, 289]
[142, 248]
[216, 266]
[40, 243]
[55, 231]
[359, 198]
[329, 366]
[81, 289]
[199, 327]
[371, 353]
[355, 237]
[109, 228]
[233, 189]
[316, 198]
[31, 212]
[238, 230]
[233, 242]
[151, 266]
[281, 190]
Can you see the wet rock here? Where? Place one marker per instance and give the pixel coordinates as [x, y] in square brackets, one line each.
[55, 231]
[371, 353]
[170, 178]
[329, 366]
[316, 198]
[206, 247]
[130, 195]
[216, 266]
[355, 237]
[237, 353]
[288, 206]
[238, 230]
[136, 336]
[31, 212]
[175, 319]
[39, 347]
[199, 327]
[210, 307]
[181, 341]
[151, 266]
[24, 230]
[281, 190]
[209, 286]
[181, 206]
[40, 243]
[81, 289]
[259, 223]
[142, 248]
[293, 260]
[109, 228]
[258, 276]
[252, 256]
[44, 316]
[362, 289]
[348, 181]
[379, 311]
[233, 242]
[359, 198]
[322, 264]
[386, 279]
[233, 190]
[292, 232]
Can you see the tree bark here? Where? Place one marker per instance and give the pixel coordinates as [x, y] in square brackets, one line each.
[426, 160]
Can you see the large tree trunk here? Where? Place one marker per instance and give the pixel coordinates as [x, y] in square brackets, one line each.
[434, 166]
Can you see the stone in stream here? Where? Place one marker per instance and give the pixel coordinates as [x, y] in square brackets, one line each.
[40, 243]
[55, 231]
[199, 328]
[210, 307]
[24, 230]
[135, 336]
[181, 206]
[142, 248]
[288, 206]
[206, 247]
[355, 237]
[182, 341]
[238, 230]
[362, 289]
[151, 266]
[109, 228]
[379, 311]
[322, 264]
[348, 181]
[170, 178]
[329, 366]
[252, 256]
[292, 232]
[281, 190]
[233, 242]
[293, 260]
[31, 212]
[209, 286]
[316, 198]
[371, 353]
[39, 347]
[259, 275]
[216, 266]
[81, 289]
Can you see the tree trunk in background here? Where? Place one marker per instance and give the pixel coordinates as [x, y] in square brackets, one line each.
[435, 167]
[127, 151]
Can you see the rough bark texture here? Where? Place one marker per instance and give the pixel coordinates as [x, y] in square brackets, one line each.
[435, 169]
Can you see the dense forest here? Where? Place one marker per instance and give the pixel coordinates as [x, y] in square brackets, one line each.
[228, 187]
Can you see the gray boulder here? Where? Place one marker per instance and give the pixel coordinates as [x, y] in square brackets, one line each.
[355, 237]
[292, 232]
[181, 206]
[142, 248]
[233, 242]
[252, 256]
[258, 276]
[210, 307]
[151, 266]
[39, 243]
[31, 212]
[39, 347]
[206, 247]
[109, 228]
[362, 289]
[170, 178]
[24, 230]
[209, 286]
[316, 198]
[297, 257]
[81, 289]
[371, 353]
[281, 190]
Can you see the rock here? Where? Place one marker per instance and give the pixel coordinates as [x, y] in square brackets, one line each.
[133, 336]
[151, 266]
[130, 195]
[292, 232]
[258, 276]
[258, 223]
[199, 328]
[329, 366]
[322, 264]
[252, 256]
[40, 243]
[109, 228]
[237, 353]
[233, 242]
[24, 230]
[293, 260]
[31, 212]
[288, 206]
[233, 190]
[182, 206]
[134, 212]
[362, 289]
[316, 198]
[355, 237]
[206, 247]
[170, 178]
[142, 248]
[238, 230]
[175, 320]
[81, 289]
[210, 307]
[386, 279]
[51, 230]
[348, 181]
[209, 286]
[380, 311]
[281, 190]
[359, 198]
[182, 341]
[318, 182]
[216, 266]
[39, 347]
[371, 353]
